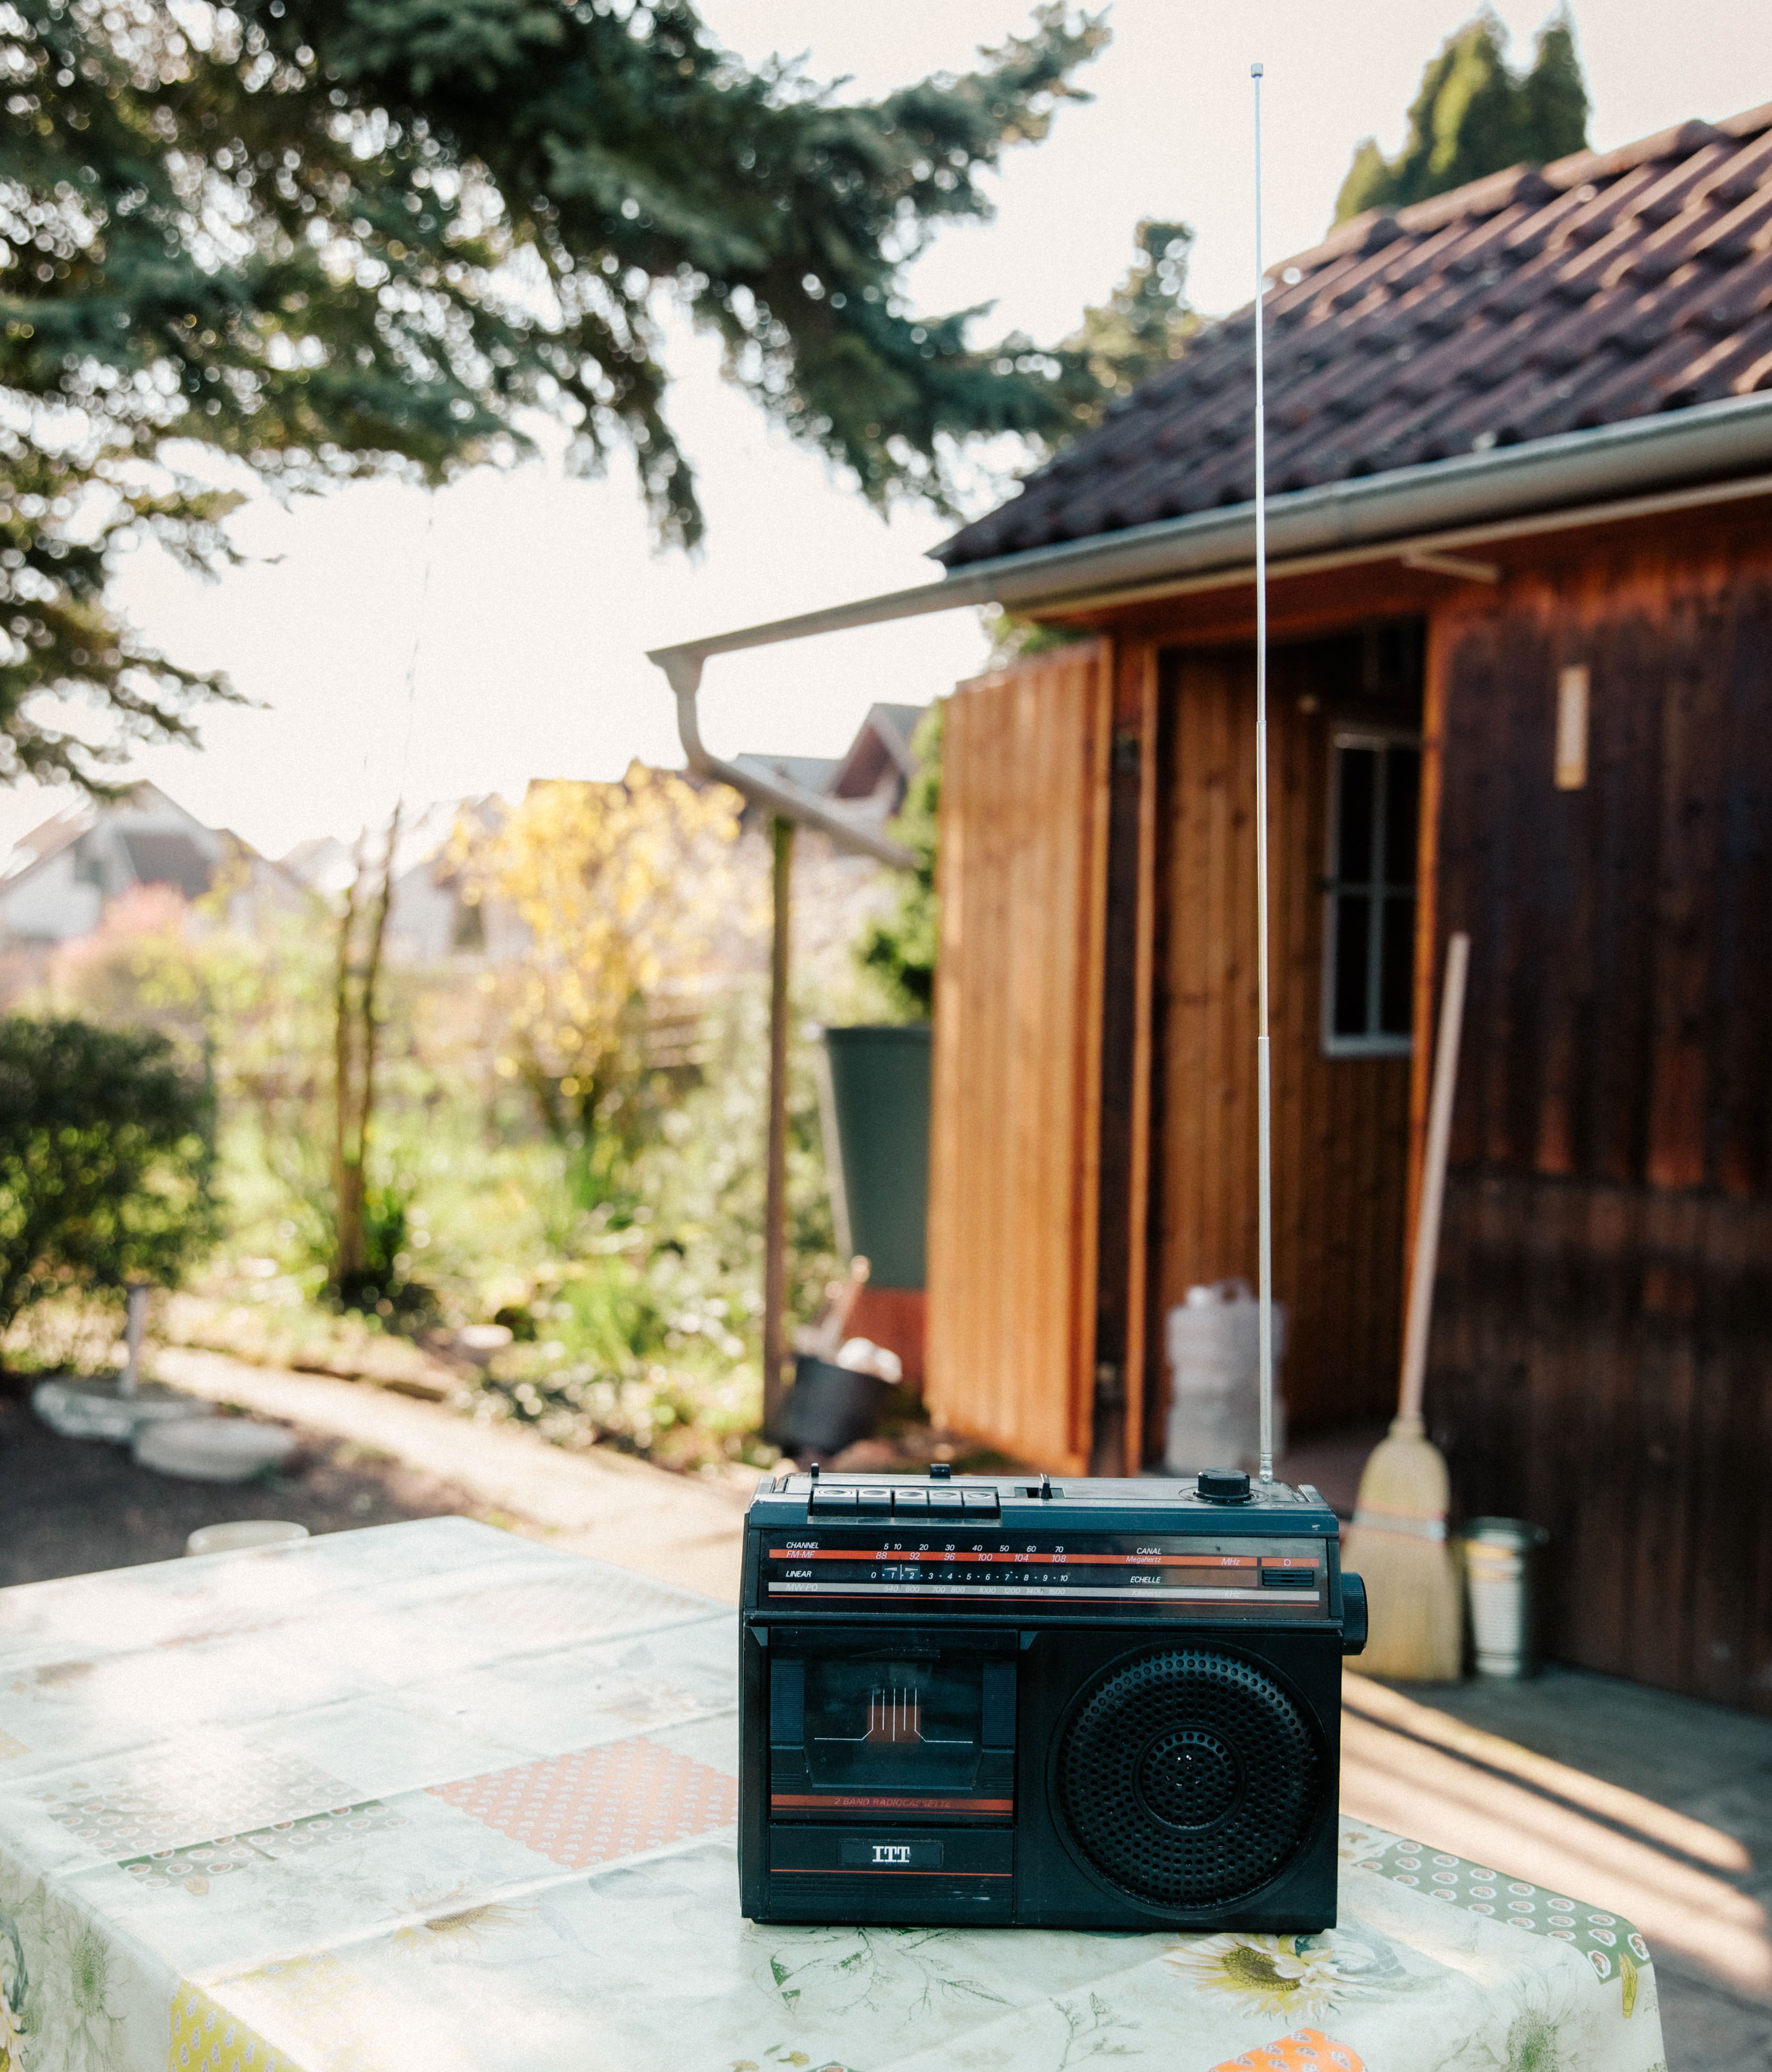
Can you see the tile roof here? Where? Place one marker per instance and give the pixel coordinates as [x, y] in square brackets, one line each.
[811, 773]
[1608, 286]
[164, 856]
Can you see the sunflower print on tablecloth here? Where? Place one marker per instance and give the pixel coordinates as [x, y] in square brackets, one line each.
[1299, 1978]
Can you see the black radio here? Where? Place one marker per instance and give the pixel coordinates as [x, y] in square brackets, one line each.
[1003, 1701]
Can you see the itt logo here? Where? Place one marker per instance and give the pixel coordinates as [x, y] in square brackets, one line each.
[861, 1852]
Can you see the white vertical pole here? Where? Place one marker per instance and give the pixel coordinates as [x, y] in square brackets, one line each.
[138, 1316]
[1263, 1089]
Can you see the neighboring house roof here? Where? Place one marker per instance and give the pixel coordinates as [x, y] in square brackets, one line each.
[811, 773]
[901, 721]
[49, 838]
[314, 859]
[56, 881]
[1610, 286]
[167, 859]
[856, 782]
[881, 744]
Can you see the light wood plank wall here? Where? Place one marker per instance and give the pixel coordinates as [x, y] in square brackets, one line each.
[1341, 1125]
[1016, 1125]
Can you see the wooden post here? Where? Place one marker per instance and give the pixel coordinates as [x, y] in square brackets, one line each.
[781, 839]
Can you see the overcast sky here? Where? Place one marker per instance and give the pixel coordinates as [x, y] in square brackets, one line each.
[523, 603]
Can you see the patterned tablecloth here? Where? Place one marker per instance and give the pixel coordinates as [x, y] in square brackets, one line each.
[431, 1798]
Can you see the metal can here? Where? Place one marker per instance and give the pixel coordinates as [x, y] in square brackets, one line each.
[1501, 1584]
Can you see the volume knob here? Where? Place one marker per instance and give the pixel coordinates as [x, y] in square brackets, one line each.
[1223, 1485]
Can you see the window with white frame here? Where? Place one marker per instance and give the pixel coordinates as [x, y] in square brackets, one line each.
[1369, 917]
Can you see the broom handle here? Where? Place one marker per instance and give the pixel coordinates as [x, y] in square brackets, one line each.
[1433, 1180]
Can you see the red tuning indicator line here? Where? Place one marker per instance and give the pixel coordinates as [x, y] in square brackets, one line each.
[1010, 1560]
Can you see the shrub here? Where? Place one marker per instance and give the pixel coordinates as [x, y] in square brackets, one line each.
[900, 950]
[107, 1155]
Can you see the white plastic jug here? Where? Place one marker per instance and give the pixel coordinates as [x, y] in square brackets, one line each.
[1214, 1408]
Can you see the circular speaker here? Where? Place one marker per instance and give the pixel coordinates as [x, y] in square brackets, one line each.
[1187, 1778]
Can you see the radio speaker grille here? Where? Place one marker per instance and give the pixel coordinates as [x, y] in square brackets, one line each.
[1188, 1779]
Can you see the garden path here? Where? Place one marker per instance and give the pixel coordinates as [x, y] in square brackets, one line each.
[686, 1529]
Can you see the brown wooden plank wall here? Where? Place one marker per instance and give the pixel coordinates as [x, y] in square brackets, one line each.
[1121, 1303]
[1015, 1133]
[1341, 1125]
[1602, 1359]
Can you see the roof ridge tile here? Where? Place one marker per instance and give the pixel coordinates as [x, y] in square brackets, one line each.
[1358, 236]
[1582, 166]
[1485, 197]
[1749, 122]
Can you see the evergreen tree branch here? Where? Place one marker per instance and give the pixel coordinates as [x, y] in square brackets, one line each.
[334, 238]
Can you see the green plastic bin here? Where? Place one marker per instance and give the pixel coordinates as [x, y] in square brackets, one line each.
[880, 1094]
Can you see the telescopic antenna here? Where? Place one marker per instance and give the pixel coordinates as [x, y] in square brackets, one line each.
[1263, 1089]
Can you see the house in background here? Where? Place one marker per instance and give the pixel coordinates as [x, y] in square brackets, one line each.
[431, 919]
[1520, 534]
[57, 880]
[866, 783]
[836, 891]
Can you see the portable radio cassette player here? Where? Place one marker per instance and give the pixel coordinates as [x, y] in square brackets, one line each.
[1099, 1704]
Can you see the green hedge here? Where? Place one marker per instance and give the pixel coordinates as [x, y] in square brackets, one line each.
[107, 1161]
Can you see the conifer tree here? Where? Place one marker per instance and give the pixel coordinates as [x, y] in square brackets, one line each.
[1555, 95]
[1146, 322]
[1474, 115]
[337, 237]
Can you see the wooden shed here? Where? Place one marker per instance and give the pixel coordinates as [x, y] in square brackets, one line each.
[1545, 718]
[1520, 482]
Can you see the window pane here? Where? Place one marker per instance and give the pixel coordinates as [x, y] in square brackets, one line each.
[1402, 790]
[1353, 816]
[1397, 972]
[1353, 928]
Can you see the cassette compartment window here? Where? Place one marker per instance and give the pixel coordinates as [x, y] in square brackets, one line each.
[903, 1723]
[915, 1721]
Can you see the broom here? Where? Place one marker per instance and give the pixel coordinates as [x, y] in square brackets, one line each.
[1398, 1538]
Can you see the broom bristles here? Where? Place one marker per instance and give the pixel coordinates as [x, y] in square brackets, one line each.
[1398, 1542]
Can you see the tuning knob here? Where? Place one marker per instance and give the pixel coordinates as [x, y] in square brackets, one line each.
[1223, 1485]
[1353, 1613]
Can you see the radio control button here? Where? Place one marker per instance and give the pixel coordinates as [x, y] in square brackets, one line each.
[873, 1503]
[915, 1500]
[827, 1502]
[980, 1503]
[1223, 1485]
[946, 1503]
[1288, 1579]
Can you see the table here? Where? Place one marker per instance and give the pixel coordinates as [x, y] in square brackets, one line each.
[430, 1798]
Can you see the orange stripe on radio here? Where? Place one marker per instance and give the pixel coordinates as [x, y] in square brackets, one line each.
[896, 1802]
[1023, 1560]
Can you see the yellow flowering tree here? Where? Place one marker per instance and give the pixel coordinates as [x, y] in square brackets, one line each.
[627, 893]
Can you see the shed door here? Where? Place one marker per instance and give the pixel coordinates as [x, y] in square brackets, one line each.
[1015, 1126]
[1344, 714]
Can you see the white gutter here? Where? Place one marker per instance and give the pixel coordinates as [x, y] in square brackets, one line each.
[1363, 520]
[790, 802]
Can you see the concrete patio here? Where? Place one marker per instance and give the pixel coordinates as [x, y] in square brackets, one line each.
[1658, 1808]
